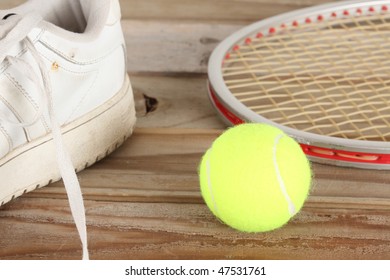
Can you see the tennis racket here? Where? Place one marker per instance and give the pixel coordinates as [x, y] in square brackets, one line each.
[321, 74]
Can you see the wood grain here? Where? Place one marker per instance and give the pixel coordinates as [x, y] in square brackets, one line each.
[172, 47]
[201, 10]
[143, 202]
[8, 4]
[182, 102]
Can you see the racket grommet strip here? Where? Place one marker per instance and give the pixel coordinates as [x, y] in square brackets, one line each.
[319, 152]
[309, 74]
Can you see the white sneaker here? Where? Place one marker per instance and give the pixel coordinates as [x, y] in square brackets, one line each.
[63, 91]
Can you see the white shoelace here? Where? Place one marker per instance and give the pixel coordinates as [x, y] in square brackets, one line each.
[13, 31]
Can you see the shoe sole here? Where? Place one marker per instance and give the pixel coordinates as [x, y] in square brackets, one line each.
[88, 140]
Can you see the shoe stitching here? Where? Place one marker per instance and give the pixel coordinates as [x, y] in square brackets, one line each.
[8, 137]
[68, 58]
[66, 68]
[11, 108]
[29, 98]
[6, 64]
[87, 93]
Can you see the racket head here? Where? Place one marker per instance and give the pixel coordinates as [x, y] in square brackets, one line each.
[319, 148]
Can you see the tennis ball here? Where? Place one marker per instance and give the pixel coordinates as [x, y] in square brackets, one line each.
[254, 178]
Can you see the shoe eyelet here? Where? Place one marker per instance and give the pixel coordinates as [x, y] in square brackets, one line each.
[55, 66]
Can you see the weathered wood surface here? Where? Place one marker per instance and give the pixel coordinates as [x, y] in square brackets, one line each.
[143, 201]
[201, 10]
[172, 47]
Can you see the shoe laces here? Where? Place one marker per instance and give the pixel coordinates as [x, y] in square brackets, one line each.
[14, 30]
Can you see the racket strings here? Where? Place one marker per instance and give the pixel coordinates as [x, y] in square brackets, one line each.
[351, 119]
[330, 77]
[300, 33]
[381, 43]
[315, 84]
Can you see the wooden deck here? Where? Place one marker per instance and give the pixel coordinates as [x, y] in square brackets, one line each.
[143, 201]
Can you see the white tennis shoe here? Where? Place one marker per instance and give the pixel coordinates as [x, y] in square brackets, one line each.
[65, 98]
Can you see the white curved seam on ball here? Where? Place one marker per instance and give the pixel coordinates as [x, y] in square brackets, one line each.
[291, 206]
[209, 184]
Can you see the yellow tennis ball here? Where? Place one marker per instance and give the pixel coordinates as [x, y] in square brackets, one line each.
[255, 178]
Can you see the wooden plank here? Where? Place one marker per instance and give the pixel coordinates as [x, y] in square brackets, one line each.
[220, 10]
[178, 47]
[182, 102]
[172, 47]
[143, 202]
[8, 4]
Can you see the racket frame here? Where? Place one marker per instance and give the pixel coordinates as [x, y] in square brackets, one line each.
[318, 148]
